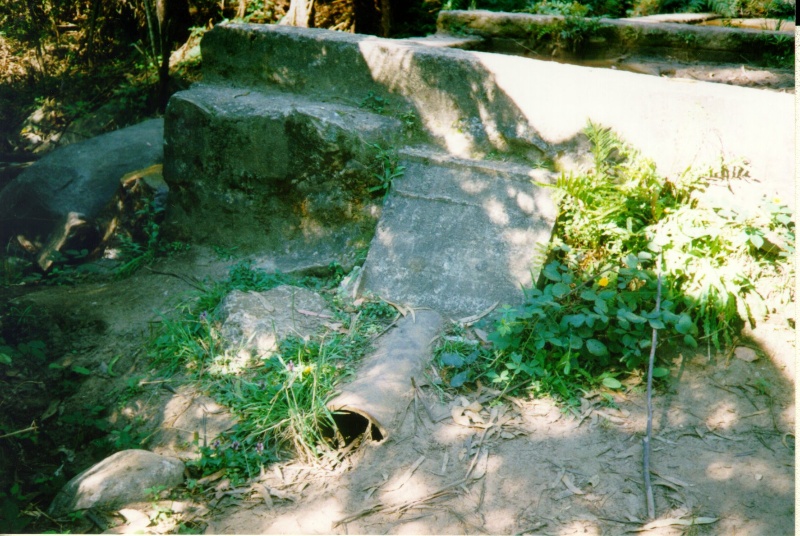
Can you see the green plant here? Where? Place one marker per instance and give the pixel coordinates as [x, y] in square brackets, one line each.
[590, 318]
[374, 102]
[568, 33]
[387, 169]
[280, 398]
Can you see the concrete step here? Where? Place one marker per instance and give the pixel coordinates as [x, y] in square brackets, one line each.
[447, 41]
[274, 173]
[459, 236]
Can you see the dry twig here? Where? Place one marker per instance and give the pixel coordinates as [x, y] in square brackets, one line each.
[648, 487]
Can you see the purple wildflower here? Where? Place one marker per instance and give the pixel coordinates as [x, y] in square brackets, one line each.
[203, 316]
[235, 445]
[215, 444]
[290, 366]
[260, 447]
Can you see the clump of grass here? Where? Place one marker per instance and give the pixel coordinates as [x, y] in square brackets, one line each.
[280, 399]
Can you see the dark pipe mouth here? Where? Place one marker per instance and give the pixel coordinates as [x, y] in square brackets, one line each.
[352, 425]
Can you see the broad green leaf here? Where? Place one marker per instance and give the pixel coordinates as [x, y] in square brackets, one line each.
[452, 360]
[471, 357]
[690, 341]
[5, 359]
[612, 383]
[685, 325]
[552, 272]
[596, 347]
[660, 372]
[588, 295]
[656, 323]
[459, 379]
[757, 240]
[575, 342]
[81, 370]
[559, 289]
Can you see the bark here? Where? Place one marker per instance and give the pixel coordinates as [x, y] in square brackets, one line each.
[301, 13]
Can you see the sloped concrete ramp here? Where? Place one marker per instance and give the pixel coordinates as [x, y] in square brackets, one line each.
[459, 236]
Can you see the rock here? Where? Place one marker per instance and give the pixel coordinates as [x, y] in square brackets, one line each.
[120, 479]
[257, 321]
[745, 354]
[188, 416]
[61, 195]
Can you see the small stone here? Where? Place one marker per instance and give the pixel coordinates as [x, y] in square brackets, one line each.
[759, 477]
[120, 479]
[745, 354]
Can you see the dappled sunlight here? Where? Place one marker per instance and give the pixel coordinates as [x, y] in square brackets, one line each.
[580, 528]
[722, 415]
[496, 212]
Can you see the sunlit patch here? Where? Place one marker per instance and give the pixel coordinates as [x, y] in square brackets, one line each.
[473, 187]
[723, 416]
[720, 470]
[496, 212]
[526, 203]
[385, 237]
[579, 527]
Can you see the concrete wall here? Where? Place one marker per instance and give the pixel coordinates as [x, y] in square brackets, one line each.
[474, 102]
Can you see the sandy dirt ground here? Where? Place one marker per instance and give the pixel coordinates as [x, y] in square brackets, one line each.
[723, 450]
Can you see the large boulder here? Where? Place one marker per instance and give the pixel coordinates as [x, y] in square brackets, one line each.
[120, 479]
[59, 198]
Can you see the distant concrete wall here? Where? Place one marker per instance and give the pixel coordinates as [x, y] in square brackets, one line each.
[473, 102]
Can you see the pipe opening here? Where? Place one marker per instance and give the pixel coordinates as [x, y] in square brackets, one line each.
[353, 425]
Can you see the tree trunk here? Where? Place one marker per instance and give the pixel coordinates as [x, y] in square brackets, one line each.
[301, 13]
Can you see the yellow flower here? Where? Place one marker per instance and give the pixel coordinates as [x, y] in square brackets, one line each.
[307, 370]
[603, 282]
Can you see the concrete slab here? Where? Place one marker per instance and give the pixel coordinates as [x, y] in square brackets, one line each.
[458, 238]
[681, 18]
[447, 41]
[475, 102]
[276, 174]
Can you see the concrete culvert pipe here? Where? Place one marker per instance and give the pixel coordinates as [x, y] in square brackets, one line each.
[373, 403]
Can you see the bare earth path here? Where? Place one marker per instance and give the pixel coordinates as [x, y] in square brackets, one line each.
[723, 449]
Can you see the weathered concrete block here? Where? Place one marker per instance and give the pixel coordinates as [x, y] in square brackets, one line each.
[457, 237]
[271, 172]
[605, 38]
[473, 102]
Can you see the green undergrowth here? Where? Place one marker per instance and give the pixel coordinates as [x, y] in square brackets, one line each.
[621, 227]
[279, 398]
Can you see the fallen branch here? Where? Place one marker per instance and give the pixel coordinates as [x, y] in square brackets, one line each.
[31, 428]
[648, 487]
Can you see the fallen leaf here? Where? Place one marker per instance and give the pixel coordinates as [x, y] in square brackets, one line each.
[660, 523]
[407, 475]
[264, 492]
[211, 478]
[458, 416]
[570, 486]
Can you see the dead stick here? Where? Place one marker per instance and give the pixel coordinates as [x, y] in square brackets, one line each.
[31, 428]
[648, 488]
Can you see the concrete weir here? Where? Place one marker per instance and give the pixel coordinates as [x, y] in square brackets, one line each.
[285, 120]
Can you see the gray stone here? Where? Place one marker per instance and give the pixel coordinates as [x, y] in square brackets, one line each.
[459, 237]
[76, 181]
[475, 102]
[257, 321]
[120, 479]
[272, 173]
